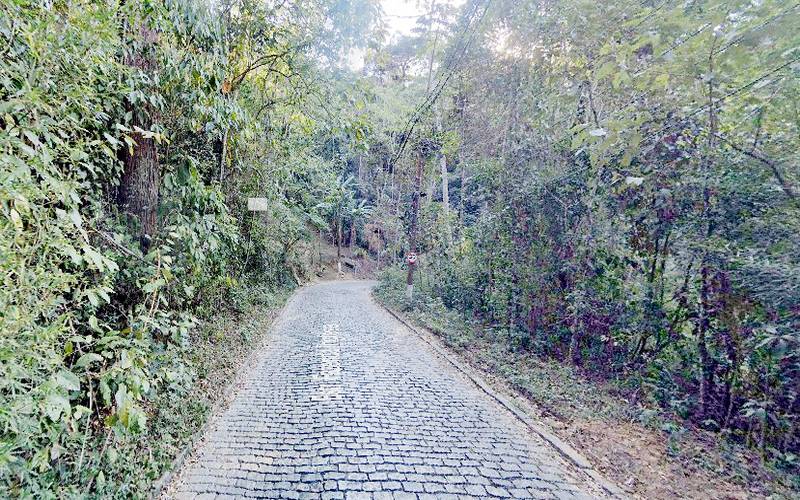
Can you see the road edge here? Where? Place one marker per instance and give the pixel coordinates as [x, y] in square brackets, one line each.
[562, 447]
[161, 485]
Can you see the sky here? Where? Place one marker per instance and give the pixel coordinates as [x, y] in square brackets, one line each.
[400, 17]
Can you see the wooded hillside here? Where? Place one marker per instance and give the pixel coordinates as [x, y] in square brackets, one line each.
[132, 135]
[613, 185]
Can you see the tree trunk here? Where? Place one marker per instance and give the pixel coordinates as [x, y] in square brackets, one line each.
[431, 190]
[446, 199]
[575, 340]
[138, 190]
[462, 111]
[461, 197]
[433, 47]
[339, 247]
[578, 302]
[702, 347]
[518, 224]
[339, 238]
[512, 142]
[224, 155]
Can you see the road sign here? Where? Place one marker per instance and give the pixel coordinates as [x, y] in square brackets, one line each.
[411, 258]
[257, 204]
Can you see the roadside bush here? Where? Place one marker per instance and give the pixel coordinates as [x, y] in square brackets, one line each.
[98, 325]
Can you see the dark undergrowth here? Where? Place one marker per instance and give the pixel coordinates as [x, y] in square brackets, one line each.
[129, 465]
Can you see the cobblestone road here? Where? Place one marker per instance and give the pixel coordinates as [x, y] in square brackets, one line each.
[345, 402]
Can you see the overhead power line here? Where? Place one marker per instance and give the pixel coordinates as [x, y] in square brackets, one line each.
[449, 67]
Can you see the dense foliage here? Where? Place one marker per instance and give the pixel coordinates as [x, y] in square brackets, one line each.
[131, 135]
[613, 185]
[610, 184]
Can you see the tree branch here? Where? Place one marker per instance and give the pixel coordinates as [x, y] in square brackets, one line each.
[756, 155]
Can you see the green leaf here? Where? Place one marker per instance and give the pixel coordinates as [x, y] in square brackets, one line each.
[154, 285]
[121, 397]
[55, 405]
[605, 70]
[87, 359]
[598, 132]
[31, 137]
[626, 159]
[68, 380]
[105, 391]
[15, 218]
[92, 298]
[634, 181]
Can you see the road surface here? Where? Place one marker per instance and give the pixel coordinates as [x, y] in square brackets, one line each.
[345, 402]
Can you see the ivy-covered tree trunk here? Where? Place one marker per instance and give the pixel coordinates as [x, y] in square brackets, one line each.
[352, 237]
[462, 114]
[445, 199]
[339, 223]
[138, 190]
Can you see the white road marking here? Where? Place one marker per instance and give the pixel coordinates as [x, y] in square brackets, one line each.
[330, 370]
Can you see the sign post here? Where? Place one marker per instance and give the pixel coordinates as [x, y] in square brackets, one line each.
[411, 260]
[254, 205]
[257, 204]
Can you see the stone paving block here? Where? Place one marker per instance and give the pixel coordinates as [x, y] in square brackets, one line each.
[475, 489]
[344, 403]
[412, 486]
[496, 491]
[405, 496]
[358, 495]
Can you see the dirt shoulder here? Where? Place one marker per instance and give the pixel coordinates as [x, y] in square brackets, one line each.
[645, 453]
[223, 351]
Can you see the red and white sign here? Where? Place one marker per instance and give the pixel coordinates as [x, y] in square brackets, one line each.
[411, 258]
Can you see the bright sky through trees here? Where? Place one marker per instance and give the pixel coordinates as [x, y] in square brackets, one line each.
[399, 17]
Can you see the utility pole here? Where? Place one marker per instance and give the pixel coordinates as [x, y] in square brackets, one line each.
[445, 186]
[411, 259]
[438, 129]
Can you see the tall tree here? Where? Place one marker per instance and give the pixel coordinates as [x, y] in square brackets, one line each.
[138, 189]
